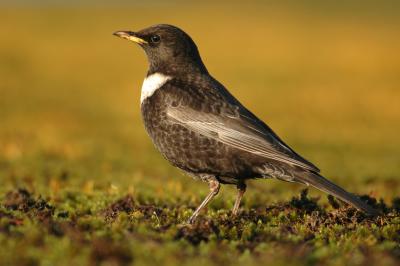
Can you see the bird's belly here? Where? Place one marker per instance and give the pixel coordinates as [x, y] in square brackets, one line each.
[193, 152]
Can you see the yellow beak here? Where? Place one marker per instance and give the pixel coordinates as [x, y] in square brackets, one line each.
[130, 36]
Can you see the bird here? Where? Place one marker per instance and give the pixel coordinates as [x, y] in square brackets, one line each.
[202, 129]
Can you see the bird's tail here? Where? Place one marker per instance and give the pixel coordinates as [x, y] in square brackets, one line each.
[323, 184]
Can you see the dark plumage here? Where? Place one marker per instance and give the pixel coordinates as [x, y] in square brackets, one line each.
[202, 129]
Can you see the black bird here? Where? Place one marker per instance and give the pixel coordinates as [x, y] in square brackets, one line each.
[199, 127]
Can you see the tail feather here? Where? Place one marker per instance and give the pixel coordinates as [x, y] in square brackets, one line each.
[327, 186]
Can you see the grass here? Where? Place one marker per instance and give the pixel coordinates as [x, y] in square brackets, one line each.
[82, 184]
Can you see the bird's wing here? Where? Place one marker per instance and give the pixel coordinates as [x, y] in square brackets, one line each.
[240, 129]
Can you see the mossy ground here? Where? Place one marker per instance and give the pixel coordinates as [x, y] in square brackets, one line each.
[99, 229]
[81, 183]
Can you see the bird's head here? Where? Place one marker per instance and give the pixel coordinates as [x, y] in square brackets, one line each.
[168, 48]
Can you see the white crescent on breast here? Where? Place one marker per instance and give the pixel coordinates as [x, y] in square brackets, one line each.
[152, 83]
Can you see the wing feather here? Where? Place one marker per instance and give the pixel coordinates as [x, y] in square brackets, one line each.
[238, 131]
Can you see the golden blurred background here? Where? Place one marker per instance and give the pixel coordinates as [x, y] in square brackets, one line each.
[324, 75]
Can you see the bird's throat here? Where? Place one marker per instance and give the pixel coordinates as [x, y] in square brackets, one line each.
[152, 83]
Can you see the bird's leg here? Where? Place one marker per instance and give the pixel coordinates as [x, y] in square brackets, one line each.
[214, 189]
[241, 190]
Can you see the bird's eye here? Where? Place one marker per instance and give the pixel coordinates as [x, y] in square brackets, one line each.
[155, 39]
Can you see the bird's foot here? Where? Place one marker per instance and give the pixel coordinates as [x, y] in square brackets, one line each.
[192, 219]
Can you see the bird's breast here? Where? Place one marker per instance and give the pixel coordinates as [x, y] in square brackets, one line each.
[152, 83]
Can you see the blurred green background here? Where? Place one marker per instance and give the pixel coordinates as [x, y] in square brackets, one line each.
[325, 75]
